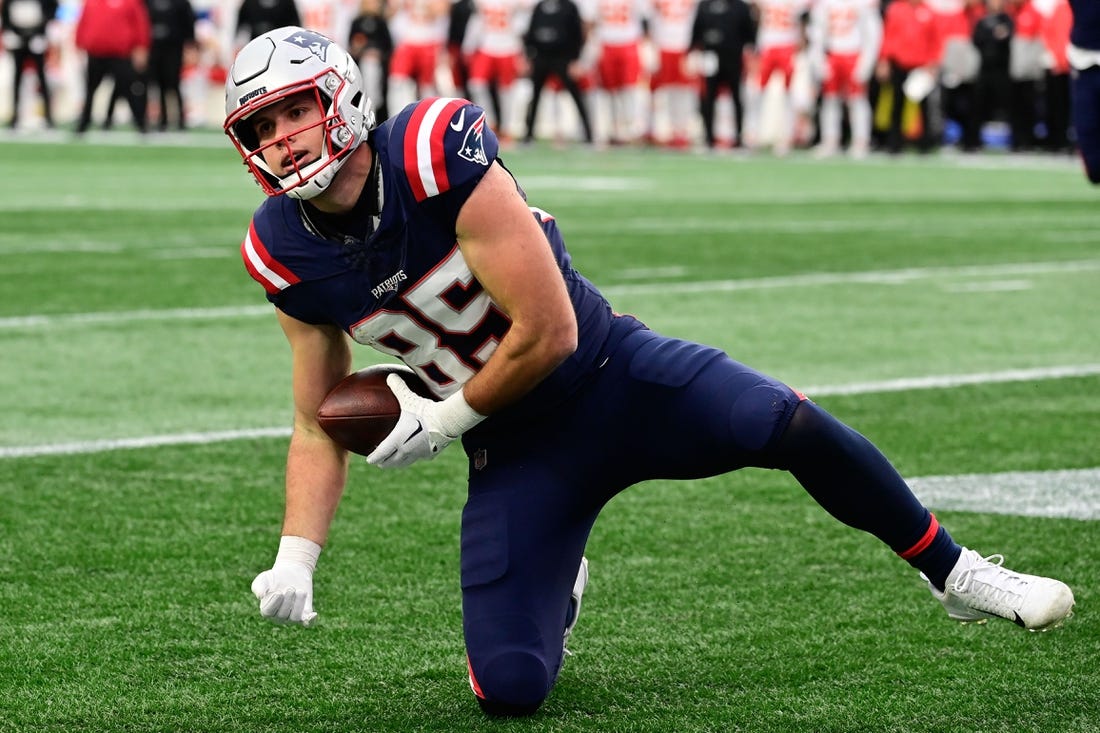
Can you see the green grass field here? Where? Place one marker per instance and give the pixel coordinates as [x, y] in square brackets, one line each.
[945, 307]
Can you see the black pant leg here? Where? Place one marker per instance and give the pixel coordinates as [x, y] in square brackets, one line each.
[732, 74]
[131, 84]
[97, 70]
[707, 105]
[18, 58]
[895, 138]
[1056, 106]
[574, 90]
[539, 73]
[39, 60]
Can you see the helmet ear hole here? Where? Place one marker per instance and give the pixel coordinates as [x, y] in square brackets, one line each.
[244, 132]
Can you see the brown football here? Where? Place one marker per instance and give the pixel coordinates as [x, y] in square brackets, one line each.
[360, 411]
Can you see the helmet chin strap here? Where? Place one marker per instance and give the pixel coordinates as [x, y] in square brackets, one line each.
[319, 177]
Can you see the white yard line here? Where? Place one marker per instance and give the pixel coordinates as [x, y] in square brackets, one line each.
[891, 385]
[1068, 494]
[148, 441]
[151, 314]
[875, 277]
[948, 381]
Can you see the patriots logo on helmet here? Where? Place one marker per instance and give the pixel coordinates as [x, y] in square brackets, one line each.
[315, 43]
[473, 146]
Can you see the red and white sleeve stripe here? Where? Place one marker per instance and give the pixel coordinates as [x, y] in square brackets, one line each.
[264, 268]
[425, 162]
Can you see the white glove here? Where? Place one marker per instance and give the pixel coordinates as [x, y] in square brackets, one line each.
[425, 427]
[285, 591]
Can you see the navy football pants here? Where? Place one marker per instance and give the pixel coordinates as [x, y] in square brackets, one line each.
[658, 408]
[1086, 118]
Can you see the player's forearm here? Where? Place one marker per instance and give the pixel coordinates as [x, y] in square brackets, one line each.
[316, 472]
[523, 359]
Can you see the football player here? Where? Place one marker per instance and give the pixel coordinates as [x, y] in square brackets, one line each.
[845, 36]
[616, 42]
[497, 57]
[779, 37]
[419, 31]
[413, 238]
[1084, 57]
[674, 87]
[910, 51]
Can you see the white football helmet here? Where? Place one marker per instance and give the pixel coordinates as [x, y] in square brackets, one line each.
[284, 62]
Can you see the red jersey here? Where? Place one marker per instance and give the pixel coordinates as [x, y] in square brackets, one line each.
[910, 37]
[113, 28]
[1056, 21]
[1026, 21]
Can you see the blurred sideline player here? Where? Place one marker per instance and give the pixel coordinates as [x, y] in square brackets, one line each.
[419, 32]
[1055, 24]
[495, 35]
[369, 42]
[458, 23]
[1028, 63]
[24, 31]
[958, 61]
[1084, 57]
[779, 37]
[845, 36]
[910, 45]
[722, 35]
[553, 42]
[413, 238]
[674, 87]
[617, 36]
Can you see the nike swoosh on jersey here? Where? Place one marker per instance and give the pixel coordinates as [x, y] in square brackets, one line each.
[457, 126]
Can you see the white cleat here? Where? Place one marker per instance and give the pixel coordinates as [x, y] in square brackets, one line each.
[575, 602]
[859, 150]
[980, 588]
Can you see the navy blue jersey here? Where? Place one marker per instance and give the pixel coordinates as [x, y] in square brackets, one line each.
[414, 297]
[1086, 24]
[1084, 57]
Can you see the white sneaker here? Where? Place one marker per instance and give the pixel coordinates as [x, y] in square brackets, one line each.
[980, 588]
[575, 602]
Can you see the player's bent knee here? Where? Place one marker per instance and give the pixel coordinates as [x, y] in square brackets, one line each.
[512, 683]
[761, 413]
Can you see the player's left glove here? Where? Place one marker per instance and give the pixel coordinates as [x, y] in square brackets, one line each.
[285, 592]
[425, 427]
